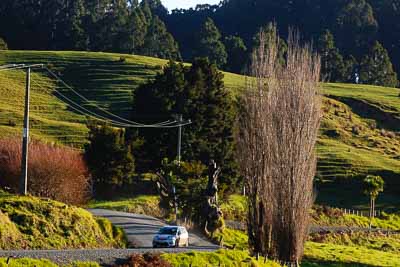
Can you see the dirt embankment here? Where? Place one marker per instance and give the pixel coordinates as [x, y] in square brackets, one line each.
[384, 119]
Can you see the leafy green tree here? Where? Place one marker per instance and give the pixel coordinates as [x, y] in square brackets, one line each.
[109, 159]
[237, 54]
[189, 180]
[376, 67]
[3, 44]
[373, 185]
[332, 63]
[198, 93]
[209, 44]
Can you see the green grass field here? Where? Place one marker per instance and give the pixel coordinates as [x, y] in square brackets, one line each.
[356, 249]
[357, 134]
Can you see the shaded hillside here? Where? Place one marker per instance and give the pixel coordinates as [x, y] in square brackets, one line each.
[358, 133]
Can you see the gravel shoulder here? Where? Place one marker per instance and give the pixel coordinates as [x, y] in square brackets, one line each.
[105, 257]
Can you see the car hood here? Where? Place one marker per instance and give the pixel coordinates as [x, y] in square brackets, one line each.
[163, 237]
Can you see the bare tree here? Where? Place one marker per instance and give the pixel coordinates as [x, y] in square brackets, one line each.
[280, 117]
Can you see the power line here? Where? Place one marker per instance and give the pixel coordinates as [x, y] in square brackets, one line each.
[84, 111]
[87, 112]
[106, 111]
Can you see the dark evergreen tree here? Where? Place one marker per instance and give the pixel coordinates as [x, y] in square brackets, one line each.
[332, 64]
[198, 93]
[350, 69]
[237, 54]
[209, 44]
[356, 27]
[388, 15]
[109, 159]
[376, 67]
[158, 42]
[138, 24]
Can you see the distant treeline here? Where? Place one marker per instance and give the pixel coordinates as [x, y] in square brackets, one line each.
[356, 38]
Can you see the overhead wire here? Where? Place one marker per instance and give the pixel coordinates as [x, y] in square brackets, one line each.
[106, 111]
[84, 111]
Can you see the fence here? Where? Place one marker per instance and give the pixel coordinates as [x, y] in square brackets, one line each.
[364, 213]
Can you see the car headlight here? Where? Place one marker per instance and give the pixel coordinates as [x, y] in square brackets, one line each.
[172, 237]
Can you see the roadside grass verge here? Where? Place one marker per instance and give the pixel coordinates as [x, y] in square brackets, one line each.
[218, 258]
[32, 223]
[231, 238]
[357, 249]
[321, 252]
[387, 221]
[143, 204]
[234, 208]
[377, 241]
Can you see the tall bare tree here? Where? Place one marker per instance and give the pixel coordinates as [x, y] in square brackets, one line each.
[280, 117]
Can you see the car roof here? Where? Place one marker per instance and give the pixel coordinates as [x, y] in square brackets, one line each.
[173, 227]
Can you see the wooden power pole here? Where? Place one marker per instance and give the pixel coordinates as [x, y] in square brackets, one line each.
[25, 137]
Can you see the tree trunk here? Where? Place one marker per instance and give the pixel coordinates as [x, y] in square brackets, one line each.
[370, 212]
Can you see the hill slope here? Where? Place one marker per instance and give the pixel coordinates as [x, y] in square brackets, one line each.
[357, 134]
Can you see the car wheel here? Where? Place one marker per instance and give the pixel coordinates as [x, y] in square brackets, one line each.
[177, 243]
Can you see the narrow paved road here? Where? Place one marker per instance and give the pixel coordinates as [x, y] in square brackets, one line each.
[140, 229]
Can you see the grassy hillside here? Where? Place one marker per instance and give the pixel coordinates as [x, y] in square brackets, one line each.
[357, 134]
[33, 223]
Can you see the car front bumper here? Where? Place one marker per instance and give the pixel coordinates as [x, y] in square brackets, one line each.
[163, 243]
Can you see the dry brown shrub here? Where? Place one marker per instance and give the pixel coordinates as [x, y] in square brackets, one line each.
[279, 123]
[55, 172]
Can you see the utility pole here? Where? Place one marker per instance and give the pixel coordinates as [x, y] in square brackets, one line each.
[180, 120]
[25, 138]
[175, 203]
[23, 185]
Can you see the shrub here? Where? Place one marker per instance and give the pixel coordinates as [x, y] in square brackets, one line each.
[53, 172]
[109, 158]
[146, 260]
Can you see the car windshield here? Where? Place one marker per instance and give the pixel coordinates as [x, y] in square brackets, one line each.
[167, 231]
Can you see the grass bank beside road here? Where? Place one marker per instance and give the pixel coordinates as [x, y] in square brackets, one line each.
[33, 223]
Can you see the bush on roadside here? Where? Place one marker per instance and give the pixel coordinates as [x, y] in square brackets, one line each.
[109, 158]
[55, 172]
[145, 260]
